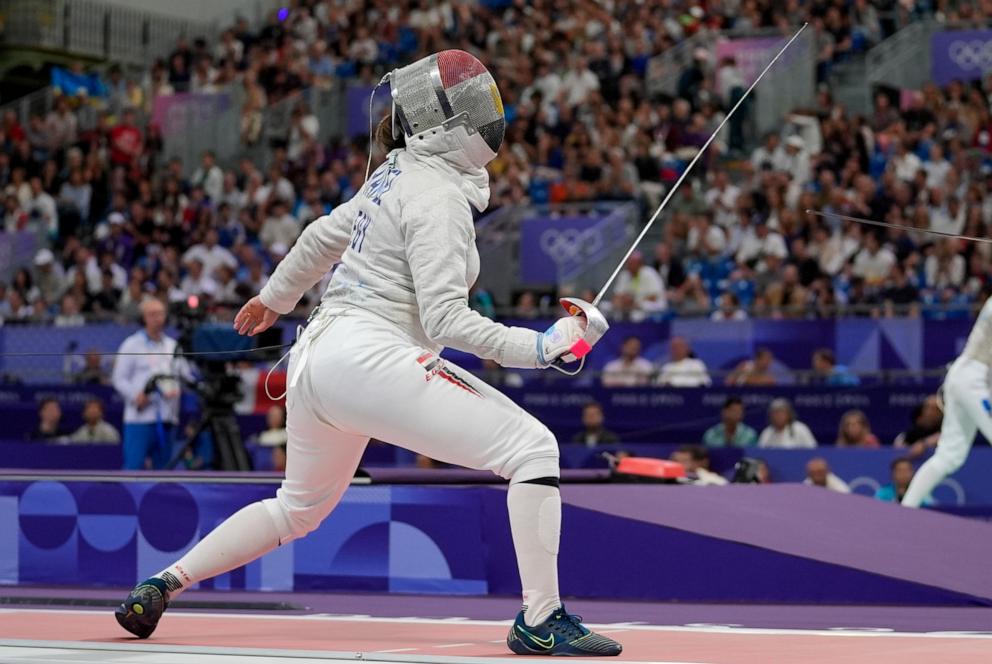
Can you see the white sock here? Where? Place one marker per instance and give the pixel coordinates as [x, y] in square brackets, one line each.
[535, 520]
[925, 481]
[248, 534]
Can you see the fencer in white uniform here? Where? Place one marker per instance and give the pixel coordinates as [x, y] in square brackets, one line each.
[368, 365]
[967, 410]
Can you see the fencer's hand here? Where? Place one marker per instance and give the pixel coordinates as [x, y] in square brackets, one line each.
[141, 401]
[254, 318]
[558, 339]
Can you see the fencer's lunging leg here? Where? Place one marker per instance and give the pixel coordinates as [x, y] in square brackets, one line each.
[248, 534]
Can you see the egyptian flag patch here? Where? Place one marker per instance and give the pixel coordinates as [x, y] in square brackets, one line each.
[435, 366]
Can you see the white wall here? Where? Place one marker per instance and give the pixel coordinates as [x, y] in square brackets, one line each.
[203, 10]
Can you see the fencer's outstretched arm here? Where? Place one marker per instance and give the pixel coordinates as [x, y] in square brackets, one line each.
[438, 232]
[316, 251]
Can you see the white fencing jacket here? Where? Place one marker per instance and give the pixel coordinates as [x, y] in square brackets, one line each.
[406, 248]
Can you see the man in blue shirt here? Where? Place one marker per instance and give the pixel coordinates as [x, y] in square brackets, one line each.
[731, 431]
[902, 475]
[828, 372]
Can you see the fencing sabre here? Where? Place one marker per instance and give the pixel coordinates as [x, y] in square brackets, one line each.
[908, 229]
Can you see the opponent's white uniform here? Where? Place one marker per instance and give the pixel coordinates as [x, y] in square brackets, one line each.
[967, 410]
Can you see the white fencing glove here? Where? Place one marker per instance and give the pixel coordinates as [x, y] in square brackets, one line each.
[558, 341]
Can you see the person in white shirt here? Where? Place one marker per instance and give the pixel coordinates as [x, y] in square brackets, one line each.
[640, 290]
[729, 308]
[42, 206]
[761, 243]
[722, 199]
[210, 177]
[783, 429]
[905, 164]
[683, 370]
[279, 228]
[696, 461]
[579, 82]
[630, 369]
[766, 155]
[937, 167]
[874, 262]
[196, 281]
[210, 254]
[818, 474]
[151, 408]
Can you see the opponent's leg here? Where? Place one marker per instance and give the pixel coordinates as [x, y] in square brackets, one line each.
[320, 462]
[965, 396]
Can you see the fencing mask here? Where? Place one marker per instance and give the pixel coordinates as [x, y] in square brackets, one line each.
[450, 92]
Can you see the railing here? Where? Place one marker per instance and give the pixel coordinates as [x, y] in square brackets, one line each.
[94, 29]
[903, 60]
[196, 122]
[588, 262]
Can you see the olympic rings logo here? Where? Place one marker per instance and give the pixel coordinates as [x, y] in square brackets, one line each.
[975, 54]
[571, 244]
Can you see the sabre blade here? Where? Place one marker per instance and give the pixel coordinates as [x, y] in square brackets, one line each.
[609, 282]
[900, 227]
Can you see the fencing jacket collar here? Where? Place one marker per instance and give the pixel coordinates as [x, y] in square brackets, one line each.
[444, 152]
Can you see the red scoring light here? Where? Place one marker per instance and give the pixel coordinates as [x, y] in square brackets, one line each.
[193, 301]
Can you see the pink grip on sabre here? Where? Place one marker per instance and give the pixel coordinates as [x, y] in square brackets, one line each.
[580, 349]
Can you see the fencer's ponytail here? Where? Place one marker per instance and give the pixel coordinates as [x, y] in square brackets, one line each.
[384, 135]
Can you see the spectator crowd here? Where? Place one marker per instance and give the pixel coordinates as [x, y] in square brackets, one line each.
[119, 222]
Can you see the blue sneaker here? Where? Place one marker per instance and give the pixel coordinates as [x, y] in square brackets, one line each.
[562, 634]
[141, 611]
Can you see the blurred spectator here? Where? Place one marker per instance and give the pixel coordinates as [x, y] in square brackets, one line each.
[210, 254]
[902, 474]
[924, 433]
[639, 291]
[729, 309]
[874, 262]
[593, 432]
[855, 431]
[147, 378]
[630, 369]
[209, 177]
[731, 431]
[49, 422]
[275, 436]
[757, 371]
[826, 370]
[126, 142]
[784, 430]
[48, 275]
[280, 228]
[93, 372]
[683, 369]
[197, 281]
[69, 315]
[818, 474]
[696, 461]
[95, 429]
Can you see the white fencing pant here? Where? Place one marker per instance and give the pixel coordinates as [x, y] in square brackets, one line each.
[967, 410]
[362, 378]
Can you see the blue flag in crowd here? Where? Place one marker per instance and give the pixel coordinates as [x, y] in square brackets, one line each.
[72, 84]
